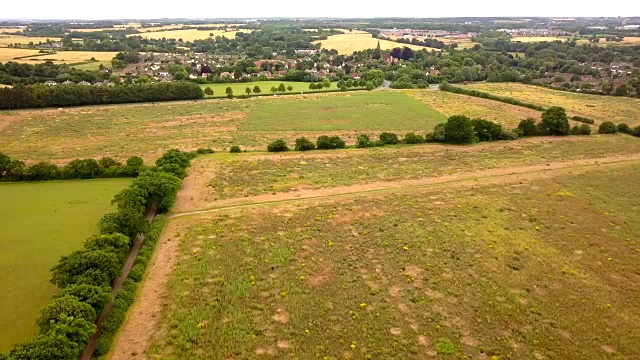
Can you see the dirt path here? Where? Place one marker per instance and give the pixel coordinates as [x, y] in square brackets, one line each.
[138, 331]
[117, 285]
[479, 177]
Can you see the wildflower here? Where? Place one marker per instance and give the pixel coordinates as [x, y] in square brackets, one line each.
[609, 306]
[363, 305]
[302, 278]
[283, 293]
[330, 243]
[307, 331]
[406, 248]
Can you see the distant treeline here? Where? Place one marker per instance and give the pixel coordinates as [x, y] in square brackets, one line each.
[39, 96]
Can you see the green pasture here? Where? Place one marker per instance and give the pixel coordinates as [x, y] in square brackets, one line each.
[40, 222]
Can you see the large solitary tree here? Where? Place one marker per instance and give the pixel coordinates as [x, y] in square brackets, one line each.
[555, 121]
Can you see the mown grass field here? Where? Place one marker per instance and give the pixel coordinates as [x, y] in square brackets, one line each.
[350, 42]
[265, 87]
[148, 130]
[40, 222]
[540, 268]
[187, 35]
[94, 65]
[226, 176]
[454, 104]
[598, 107]
[528, 39]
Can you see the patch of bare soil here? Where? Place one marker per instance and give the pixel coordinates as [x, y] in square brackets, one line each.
[142, 319]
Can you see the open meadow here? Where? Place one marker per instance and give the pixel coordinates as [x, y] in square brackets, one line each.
[348, 43]
[499, 250]
[40, 222]
[148, 130]
[600, 108]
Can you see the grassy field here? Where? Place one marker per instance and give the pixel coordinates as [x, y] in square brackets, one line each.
[350, 42]
[188, 35]
[40, 222]
[544, 268]
[265, 86]
[224, 176]
[601, 108]
[453, 104]
[94, 65]
[528, 39]
[627, 41]
[148, 130]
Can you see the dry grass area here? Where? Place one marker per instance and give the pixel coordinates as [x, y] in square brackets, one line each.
[455, 104]
[529, 39]
[598, 107]
[61, 57]
[542, 267]
[628, 41]
[188, 35]
[10, 54]
[357, 41]
[6, 40]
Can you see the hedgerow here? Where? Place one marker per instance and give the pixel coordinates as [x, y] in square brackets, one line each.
[85, 276]
[484, 95]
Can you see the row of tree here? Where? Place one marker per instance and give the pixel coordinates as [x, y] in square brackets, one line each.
[84, 277]
[39, 96]
[16, 170]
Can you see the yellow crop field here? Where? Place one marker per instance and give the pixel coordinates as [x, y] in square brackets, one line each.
[462, 43]
[9, 54]
[598, 107]
[530, 39]
[61, 57]
[628, 41]
[188, 35]
[6, 40]
[348, 43]
[10, 30]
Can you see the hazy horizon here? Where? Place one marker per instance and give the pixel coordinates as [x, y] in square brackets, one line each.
[122, 10]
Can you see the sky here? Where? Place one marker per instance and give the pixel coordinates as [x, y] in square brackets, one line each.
[127, 9]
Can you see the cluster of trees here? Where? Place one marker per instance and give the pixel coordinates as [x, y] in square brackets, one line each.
[38, 96]
[84, 277]
[13, 73]
[608, 127]
[16, 170]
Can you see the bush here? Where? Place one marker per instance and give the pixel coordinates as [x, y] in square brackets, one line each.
[555, 121]
[486, 130]
[45, 347]
[607, 127]
[585, 129]
[329, 142]
[509, 135]
[624, 128]
[636, 131]
[278, 146]
[459, 130]
[202, 151]
[363, 141]
[115, 243]
[92, 267]
[59, 308]
[582, 119]
[97, 297]
[388, 138]
[412, 138]
[439, 133]
[527, 127]
[303, 144]
[235, 149]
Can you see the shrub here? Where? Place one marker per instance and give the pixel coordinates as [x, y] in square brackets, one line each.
[388, 138]
[50, 346]
[97, 297]
[486, 130]
[624, 128]
[235, 149]
[59, 308]
[430, 137]
[585, 129]
[575, 130]
[127, 221]
[92, 267]
[330, 142]
[412, 138]
[42, 171]
[607, 127]
[458, 130]
[363, 141]
[81, 169]
[445, 347]
[636, 131]
[115, 243]
[278, 146]
[509, 135]
[527, 127]
[303, 144]
[582, 119]
[202, 151]
[555, 121]
[439, 133]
